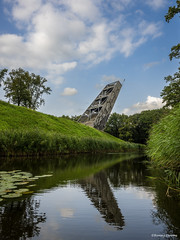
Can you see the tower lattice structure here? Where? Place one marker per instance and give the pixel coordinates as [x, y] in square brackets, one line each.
[96, 115]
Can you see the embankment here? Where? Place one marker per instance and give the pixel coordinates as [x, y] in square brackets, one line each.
[27, 132]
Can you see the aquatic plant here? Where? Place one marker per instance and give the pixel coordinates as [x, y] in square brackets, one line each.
[11, 182]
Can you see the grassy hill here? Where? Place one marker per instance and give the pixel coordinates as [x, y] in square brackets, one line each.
[24, 131]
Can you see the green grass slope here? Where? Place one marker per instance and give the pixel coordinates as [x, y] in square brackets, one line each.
[14, 117]
[26, 131]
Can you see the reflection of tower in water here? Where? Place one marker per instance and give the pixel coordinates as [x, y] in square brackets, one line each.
[99, 192]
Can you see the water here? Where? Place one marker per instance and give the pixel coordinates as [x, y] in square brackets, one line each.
[106, 197]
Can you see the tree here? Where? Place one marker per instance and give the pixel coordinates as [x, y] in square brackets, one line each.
[134, 128]
[172, 11]
[2, 75]
[114, 123]
[126, 131]
[25, 89]
[171, 93]
[75, 118]
[175, 50]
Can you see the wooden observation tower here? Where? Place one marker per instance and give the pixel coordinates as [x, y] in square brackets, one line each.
[98, 112]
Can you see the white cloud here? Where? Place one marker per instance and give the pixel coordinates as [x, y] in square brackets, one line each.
[150, 65]
[69, 91]
[140, 12]
[67, 212]
[23, 10]
[111, 78]
[150, 29]
[117, 5]
[156, 4]
[108, 79]
[85, 9]
[59, 34]
[141, 192]
[150, 104]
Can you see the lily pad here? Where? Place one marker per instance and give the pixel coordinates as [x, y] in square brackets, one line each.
[11, 182]
[26, 174]
[3, 193]
[12, 195]
[22, 190]
[30, 192]
[47, 175]
[21, 183]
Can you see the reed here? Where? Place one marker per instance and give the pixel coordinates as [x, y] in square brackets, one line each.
[164, 147]
[37, 142]
[164, 141]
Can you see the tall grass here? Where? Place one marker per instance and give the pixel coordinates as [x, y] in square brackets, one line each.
[164, 146]
[164, 141]
[37, 142]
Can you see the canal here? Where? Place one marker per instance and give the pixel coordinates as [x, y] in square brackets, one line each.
[88, 197]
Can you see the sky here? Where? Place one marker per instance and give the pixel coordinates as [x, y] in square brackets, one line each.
[79, 46]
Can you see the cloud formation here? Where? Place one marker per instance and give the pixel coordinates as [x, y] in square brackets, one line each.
[150, 104]
[54, 36]
[67, 212]
[150, 65]
[108, 79]
[69, 91]
[156, 4]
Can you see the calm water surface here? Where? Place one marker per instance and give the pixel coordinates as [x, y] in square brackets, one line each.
[89, 197]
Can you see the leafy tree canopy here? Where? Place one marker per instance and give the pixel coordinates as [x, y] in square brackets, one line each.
[114, 123]
[25, 89]
[2, 74]
[171, 93]
[134, 128]
[175, 50]
[172, 11]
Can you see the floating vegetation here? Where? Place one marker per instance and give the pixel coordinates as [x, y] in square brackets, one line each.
[12, 195]
[32, 185]
[22, 190]
[11, 182]
[21, 183]
[47, 175]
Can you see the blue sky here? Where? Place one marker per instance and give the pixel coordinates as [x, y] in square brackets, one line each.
[81, 45]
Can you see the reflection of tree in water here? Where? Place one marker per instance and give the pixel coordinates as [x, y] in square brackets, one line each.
[20, 219]
[128, 172]
[135, 173]
[99, 192]
[167, 212]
